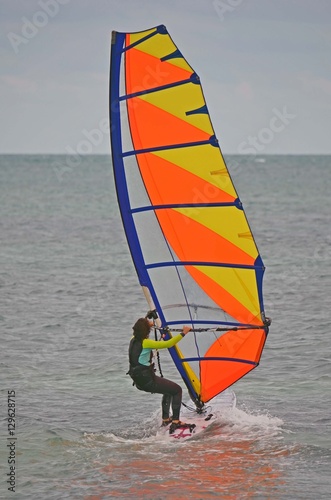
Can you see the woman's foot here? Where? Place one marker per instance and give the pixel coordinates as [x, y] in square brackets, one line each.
[166, 421]
[176, 424]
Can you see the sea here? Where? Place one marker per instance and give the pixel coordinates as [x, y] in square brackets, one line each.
[72, 424]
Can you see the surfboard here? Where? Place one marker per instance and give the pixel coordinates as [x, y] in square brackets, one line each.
[200, 422]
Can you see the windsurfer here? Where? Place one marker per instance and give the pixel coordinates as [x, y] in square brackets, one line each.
[143, 373]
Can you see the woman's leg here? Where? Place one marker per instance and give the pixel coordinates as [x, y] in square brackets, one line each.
[171, 389]
[166, 402]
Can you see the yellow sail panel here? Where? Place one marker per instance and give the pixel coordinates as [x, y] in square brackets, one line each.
[235, 290]
[233, 226]
[160, 128]
[195, 242]
[144, 72]
[194, 379]
[206, 163]
[160, 46]
[181, 101]
[135, 37]
[159, 175]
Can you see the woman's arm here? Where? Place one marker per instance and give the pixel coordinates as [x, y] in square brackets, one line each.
[165, 344]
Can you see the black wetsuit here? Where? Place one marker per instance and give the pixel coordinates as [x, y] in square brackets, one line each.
[145, 379]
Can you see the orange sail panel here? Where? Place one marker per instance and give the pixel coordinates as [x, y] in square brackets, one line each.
[188, 234]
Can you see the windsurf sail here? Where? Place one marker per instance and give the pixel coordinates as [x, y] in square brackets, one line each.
[191, 244]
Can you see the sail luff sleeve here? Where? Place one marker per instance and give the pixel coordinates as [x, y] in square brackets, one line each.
[118, 40]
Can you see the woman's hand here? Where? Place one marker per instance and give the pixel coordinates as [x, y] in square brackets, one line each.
[186, 329]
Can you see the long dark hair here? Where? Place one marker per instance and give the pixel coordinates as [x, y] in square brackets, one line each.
[141, 329]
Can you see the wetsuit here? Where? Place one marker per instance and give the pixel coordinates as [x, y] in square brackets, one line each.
[142, 373]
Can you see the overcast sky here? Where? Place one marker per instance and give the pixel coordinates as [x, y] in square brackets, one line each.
[265, 67]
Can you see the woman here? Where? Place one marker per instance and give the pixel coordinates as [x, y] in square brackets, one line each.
[142, 370]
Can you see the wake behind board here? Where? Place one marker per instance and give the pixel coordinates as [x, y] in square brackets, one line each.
[200, 422]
